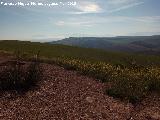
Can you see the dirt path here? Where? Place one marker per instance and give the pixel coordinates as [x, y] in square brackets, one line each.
[67, 95]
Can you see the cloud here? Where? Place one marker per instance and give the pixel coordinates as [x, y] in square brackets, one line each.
[93, 21]
[142, 19]
[60, 23]
[120, 2]
[148, 19]
[84, 7]
[125, 7]
[87, 7]
[109, 6]
[74, 23]
[91, 8]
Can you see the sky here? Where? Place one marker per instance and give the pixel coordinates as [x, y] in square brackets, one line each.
[78, 18]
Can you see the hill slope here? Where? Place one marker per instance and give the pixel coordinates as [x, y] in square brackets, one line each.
[124, 43]
[54, 51]
[62, 90]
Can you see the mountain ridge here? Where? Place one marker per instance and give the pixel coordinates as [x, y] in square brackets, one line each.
[148, 44]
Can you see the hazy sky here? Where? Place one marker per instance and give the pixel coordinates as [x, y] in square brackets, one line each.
[86, 18]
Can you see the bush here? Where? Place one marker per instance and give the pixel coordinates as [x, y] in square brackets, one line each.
[132, 89]
[19, 76]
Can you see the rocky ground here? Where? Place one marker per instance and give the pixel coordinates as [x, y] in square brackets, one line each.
[67, 95]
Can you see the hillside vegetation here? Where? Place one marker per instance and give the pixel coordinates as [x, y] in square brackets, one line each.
[143, 44]
[129, 76]
[88, 54]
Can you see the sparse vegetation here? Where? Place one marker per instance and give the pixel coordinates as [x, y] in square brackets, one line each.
[131, 83]
[18, 75]
[130, 77]
[28, 49]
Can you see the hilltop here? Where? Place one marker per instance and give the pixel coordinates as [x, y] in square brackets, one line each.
[65, 94]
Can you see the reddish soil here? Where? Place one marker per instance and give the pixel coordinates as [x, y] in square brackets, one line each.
[67, 95]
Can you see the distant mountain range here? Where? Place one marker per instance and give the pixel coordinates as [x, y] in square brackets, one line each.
[143, 44]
